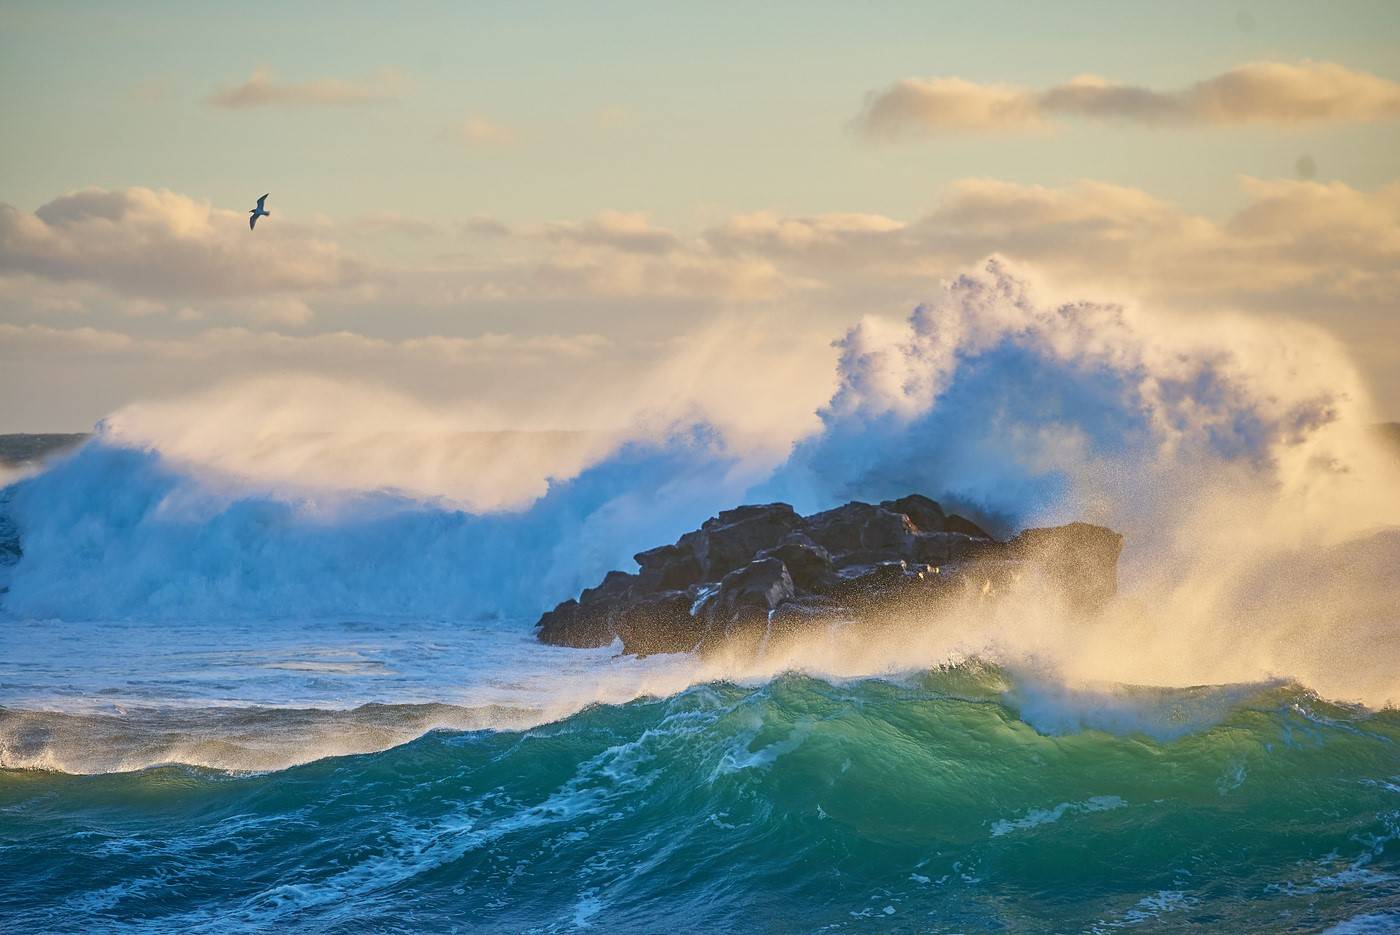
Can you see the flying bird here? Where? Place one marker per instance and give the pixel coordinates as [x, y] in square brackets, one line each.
[257, 212]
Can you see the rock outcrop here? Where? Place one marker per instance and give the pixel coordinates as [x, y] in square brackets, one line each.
[760, 571]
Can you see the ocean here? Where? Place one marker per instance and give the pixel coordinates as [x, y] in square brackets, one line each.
[254, 680]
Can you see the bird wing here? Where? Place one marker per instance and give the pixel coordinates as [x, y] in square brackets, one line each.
[261, 200]
[252, 221]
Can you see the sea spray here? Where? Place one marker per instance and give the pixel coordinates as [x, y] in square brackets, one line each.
[1236, 458]
[305, 689]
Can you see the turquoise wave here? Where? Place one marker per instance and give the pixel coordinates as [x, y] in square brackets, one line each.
[798, 805]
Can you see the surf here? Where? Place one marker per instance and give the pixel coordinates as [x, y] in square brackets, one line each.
[285, 674]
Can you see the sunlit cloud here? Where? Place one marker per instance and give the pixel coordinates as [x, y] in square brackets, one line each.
[1324, 252]
[1272, 93]
[263, 90]
[623, 230]
[612, 118]
[164, 246]
[478, 131]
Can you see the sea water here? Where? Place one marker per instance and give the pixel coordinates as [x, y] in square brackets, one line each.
[246, 691]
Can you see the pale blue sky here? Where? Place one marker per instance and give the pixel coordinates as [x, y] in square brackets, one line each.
[401, 250]
[728, 106]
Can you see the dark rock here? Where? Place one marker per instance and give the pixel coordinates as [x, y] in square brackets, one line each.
[25, 450]
[802, 615]
[1079, 558]
[572, 624]
[860, 528]
[800, 611]
[925, 514]
[731, 539]
[588, 622]
[967, 527]
[737, 616]
[658, 623]
[940, 548]
[615, 585]
[809, 564]
[757, 574]
[668, 568]
[751, 591]
[883, 582]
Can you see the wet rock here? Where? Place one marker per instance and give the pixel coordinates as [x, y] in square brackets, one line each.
[925, 514]
[572, 624]
[751, 592]
[810, 566]
[967, 527]
[669, 568]
[941, 548]
[760, 573]
[731, 539]
[658, 623]
[860, 529]
[1081, 559]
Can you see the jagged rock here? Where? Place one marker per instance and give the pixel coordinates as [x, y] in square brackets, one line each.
[1080, 558]
[941, 548]
[892, 583]
[859, 530]
[572, 624]
[967, 527]
[734, 537]
[589, 621]
[810, 565]
[758, 573]
[658, 623]
[925, 514]
[799, 612]
[615, 584]
[669, 567]
[751, 592]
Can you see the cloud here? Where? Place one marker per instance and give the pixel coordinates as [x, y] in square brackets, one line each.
[478, 131]
[623, 230]
[1295, 244]
[151, 267]
[1324, 253]
[164, 246]
[395, 224]
[341, 347]
[613, 118]
[918, 106]
[481, 225]
[1272, 93]
[24, 341]
[262, 90]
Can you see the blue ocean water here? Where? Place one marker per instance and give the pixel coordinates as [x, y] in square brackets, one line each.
[797, 805]
[233, 704]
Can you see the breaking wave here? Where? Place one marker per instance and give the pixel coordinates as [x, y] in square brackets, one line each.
[1235, 456]
[263, 668]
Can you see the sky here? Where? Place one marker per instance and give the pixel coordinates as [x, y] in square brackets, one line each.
[508, 206]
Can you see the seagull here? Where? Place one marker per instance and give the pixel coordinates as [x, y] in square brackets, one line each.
[257, 212]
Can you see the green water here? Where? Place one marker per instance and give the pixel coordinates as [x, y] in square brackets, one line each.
[795, 806]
